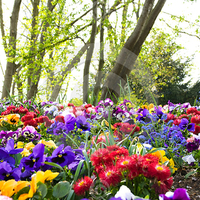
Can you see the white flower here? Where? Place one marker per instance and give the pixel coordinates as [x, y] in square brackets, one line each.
[125, 193]
[189, 159]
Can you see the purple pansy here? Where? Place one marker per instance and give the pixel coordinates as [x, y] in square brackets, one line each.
[60, 128]
[81, 122]
[34, 160]
[30, 133]
[185, 125]
[69, 122]
[62, 156]
[4, 156]
[10, 147]
[6, 172]
[143, 116]
[192, 146]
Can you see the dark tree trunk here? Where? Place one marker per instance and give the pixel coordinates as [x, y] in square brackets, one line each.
[101, 60]
[89, 54]
[117, 78]
[36, 73]
[11, 66]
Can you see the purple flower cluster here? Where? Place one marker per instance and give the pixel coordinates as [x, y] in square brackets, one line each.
[69, 124]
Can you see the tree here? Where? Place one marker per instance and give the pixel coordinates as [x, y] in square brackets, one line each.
[160, 70]
[131, 50]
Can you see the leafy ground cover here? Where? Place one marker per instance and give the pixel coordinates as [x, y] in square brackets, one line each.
[53, 151]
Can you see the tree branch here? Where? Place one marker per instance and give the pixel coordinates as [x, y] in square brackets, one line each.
[182, 31]
[2, 26]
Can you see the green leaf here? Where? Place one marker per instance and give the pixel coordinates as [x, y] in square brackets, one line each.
[157, 149]
[87, 161]
[24, 190]
[78, 170]
[190, 173]
[54, 165]
[61, 189]
[42, 189]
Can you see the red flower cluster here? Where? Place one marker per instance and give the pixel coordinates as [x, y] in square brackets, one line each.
[82, 185]
[112, 162]
[31, 119]
[126, 128]
[13, 109]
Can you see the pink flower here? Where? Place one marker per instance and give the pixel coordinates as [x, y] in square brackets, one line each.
[190, 139]
[5, 198]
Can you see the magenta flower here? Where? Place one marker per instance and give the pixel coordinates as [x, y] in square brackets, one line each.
[178, 194]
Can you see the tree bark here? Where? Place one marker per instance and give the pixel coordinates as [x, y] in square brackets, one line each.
[2, 27]
[36, 73]
[101, 60]
[35, 14]
[11, 66]
[117, 78]
[89, 54]
[77, 57]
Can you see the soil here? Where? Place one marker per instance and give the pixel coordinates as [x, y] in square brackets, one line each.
[192, 183]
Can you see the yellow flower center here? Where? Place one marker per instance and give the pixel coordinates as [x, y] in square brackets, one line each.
[123, 116]
[60, 155]
[159, 168]
[81, 183]
[34, 159]
[2, 160]
[125, 162]
[108, 173]
[7, 175]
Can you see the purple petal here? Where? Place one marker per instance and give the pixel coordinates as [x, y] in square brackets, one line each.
[181, 193]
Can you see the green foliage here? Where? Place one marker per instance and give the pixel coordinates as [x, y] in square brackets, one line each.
[160, 69]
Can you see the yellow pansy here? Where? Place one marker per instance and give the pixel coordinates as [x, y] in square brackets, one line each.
[151, 110]
[25, 152]
[171, 165]
[7, 188]
[160, 154]
[20, 145]
[29, 146]
[49, 144]
[104, 122]
[49, 175]
[139, 147]
[129, 105]
[13, 118]
[20, 185]
[40, 176]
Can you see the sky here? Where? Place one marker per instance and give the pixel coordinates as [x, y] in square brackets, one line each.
[175, 7]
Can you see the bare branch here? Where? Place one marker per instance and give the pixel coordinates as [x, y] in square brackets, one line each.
[178, 17]
[182, 31]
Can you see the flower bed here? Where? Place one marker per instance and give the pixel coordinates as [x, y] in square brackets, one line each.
[51, 151]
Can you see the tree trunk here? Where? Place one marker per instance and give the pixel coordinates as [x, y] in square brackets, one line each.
[117, 78]
[35, 14]
[89, 54]
[77, 57]
[11, 67]
[101, 60]
[36, 73]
